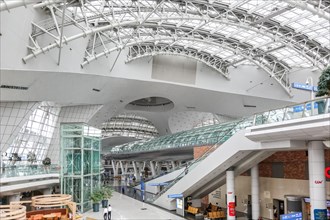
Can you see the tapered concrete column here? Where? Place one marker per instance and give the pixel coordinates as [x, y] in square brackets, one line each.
[122, 167]
[230, 181]
[158, 166]
[317, 187]
[167, 167]
[255, 192]
[173, 165]
[136, 170]
[47, 191]
[142, 166]
[114, 167]
[126, 166]
[152, 167]
[14, 198]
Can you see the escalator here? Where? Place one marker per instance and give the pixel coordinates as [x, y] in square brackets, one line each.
[237, 151]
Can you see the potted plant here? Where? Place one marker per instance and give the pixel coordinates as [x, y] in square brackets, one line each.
[47, 161]
[14, 157]
[107, 194]
[323, 87]
[96, 197]
[31, 157]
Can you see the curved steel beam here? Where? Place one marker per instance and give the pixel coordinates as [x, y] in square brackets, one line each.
[10, 4]
[130, 24]
[303, 49]
[274, 69]
[214, 62]
[307, 5]
[188, 33]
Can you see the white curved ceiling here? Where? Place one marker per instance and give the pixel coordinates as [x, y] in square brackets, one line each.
[274, 35]
[277, 36]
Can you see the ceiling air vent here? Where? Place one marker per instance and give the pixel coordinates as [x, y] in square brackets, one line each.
[14, 87]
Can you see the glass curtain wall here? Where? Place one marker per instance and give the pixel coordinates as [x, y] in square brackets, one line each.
[35, 135]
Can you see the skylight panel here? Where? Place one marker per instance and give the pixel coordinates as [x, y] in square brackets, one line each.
[324, 41]
[233, 58]
[250, 4]
[265, 8]
[291, 57]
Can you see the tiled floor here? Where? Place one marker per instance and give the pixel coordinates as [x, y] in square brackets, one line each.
[124, 207]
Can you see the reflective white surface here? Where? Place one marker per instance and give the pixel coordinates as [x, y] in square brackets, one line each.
[124, 207]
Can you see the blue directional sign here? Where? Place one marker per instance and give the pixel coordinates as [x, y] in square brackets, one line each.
[174, 196]
[304, 87]
[300, 108]
[292, 216]
[320, 214]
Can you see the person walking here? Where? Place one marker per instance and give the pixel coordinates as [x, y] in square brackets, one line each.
[109, 212]
[105, 213]
[134, 193]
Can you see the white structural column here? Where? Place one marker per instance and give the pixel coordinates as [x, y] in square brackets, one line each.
[255, 192]
[167, 166]
[114, 167]
[158, 166]
[173, 165]
[230, 181]
[14, 198]
[317, 187]
[47, 191]
[136, 170]
[152, 166]
[122, 167]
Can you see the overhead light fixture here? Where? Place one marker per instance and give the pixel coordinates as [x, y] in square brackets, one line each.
[96, 90]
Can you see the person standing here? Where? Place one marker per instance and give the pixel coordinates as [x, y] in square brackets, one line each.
[109, 212]
[134, 193]
[105, 213]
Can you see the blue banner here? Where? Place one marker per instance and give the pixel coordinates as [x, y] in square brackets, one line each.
[292, 216]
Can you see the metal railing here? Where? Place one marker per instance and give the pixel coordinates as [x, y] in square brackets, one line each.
[301, 110]
[28, 170]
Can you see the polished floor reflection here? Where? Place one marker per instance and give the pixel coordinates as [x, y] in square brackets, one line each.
[124, 207]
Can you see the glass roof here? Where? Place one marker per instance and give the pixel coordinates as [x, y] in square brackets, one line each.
[237, 32]
[207, 135]
[210, 20]
[129, 125]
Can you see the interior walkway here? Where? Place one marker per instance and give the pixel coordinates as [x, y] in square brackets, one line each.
[124, 207]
